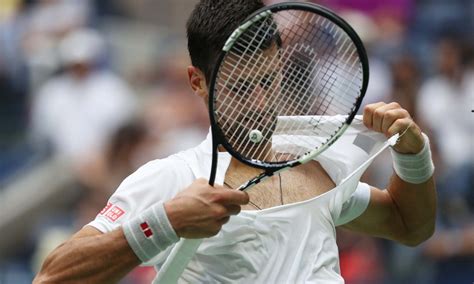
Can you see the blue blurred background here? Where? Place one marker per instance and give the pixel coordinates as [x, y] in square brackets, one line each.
[88, 90]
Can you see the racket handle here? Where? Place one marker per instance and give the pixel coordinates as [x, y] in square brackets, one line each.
[177, 261]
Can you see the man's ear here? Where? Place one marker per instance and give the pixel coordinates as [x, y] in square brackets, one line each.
[198, 82]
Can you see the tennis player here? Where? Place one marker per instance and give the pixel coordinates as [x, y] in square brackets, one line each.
[287, 233]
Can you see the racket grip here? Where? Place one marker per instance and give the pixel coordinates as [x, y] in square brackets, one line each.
[177, 261]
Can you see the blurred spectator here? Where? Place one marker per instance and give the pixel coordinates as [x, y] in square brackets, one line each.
[12, 28]
[78, 114]
[77, 111]
[57, 17]
[405, 82]
[13, 91]
[46, 23]
[12, 127]
[451, 249]
[380, 81]
[188, 127]
[445, 104]
[172, 97]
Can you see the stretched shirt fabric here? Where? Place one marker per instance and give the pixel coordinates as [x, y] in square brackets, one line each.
[291, 243]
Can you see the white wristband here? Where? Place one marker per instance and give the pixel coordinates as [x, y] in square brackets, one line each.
[414, 168]
[150, 232]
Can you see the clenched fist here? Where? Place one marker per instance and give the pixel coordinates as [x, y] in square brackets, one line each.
[200, 210]
[390, 119]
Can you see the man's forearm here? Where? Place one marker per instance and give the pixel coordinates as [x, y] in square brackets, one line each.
[416, 205]
[98, 258]
[199, 211]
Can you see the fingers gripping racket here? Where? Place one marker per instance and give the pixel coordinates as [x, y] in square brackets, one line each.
[287, 84]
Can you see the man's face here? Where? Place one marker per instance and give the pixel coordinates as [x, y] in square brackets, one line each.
[246, 96]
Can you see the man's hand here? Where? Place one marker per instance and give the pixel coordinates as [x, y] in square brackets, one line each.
[200, 210]
[390, 119]
[405, 211]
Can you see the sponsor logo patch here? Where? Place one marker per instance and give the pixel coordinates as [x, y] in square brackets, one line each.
[114, 213]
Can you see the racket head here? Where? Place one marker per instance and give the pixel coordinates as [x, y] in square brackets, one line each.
[316, 35]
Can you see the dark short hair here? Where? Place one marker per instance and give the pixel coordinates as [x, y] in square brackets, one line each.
[209, 26]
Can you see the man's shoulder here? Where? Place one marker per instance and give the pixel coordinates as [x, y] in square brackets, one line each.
[159, 179]
[170, 174]
[166, 168]
[176, 165]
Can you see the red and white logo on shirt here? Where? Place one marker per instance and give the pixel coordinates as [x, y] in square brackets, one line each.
[112, 212]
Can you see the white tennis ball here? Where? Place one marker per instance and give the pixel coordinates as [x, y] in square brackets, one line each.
[255, 136]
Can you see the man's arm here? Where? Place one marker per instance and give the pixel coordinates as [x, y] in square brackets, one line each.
[406, 211]
[94, 257]
[89, 256]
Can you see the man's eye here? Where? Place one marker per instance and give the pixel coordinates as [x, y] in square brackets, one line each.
[241, 88]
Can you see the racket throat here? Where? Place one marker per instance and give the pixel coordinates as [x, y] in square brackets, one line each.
[256, 180]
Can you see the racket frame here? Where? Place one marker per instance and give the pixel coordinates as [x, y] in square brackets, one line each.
[218, 136]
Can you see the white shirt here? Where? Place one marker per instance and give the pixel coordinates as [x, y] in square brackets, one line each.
[292, 243]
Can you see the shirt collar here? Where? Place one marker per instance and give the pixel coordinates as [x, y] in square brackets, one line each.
[201, 166]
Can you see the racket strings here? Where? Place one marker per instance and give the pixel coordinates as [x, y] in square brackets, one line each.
[296, 113]
[314, 80]
[297, 94]
[317, 111]
[258, 78]
[273, 111]
[351, 105]
[249, 104]
[300, 76]
[327, 29]
[246, 67]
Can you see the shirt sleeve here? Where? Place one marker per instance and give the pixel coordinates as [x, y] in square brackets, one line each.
[159, 180]
[356, 204]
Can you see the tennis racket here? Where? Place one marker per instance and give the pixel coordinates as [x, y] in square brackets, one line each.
[287, 84]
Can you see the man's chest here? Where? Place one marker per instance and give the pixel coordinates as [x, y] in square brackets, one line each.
[297, 184]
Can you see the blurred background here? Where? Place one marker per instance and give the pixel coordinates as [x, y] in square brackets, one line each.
[91, 90]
